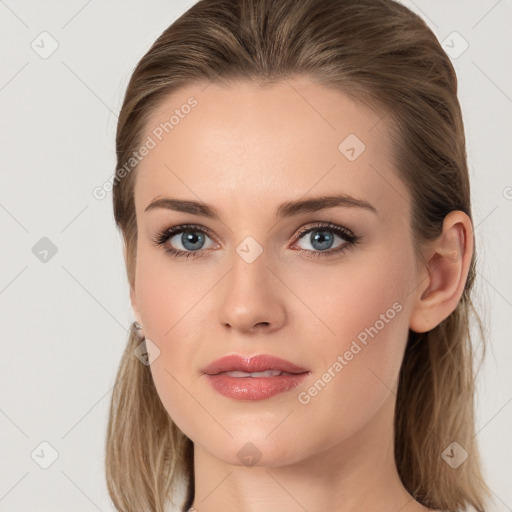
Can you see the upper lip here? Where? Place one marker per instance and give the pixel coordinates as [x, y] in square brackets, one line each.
[250, 364]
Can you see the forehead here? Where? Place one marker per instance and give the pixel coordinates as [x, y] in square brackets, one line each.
[244, 144]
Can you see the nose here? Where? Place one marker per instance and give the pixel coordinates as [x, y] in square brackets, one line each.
[251, 297]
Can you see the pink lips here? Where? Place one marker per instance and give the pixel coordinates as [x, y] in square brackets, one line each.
[253, 387]
[259, 363]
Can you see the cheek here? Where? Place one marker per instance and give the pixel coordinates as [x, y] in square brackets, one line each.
[166, 291]
[371, 313]
[360, 345]
[346, 299]
[169, 300]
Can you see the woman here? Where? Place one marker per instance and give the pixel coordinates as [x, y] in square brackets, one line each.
[293, 193]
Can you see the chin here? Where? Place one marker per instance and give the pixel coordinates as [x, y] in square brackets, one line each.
[257, 449]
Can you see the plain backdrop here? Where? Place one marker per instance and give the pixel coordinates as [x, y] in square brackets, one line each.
[64, 303]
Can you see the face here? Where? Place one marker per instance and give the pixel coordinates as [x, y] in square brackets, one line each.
[325, 289]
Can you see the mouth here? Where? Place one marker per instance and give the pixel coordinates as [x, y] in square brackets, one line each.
[253, 366]
[266, 373]
[254, 378]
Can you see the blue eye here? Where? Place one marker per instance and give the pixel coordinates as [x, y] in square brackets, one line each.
[321, 237]
[192, 238]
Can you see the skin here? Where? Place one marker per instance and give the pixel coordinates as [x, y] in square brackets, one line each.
[245, 150]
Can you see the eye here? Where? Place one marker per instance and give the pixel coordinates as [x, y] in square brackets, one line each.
[322, 238]
[190, 236]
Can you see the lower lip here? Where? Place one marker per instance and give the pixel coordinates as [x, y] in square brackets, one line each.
[254, 388]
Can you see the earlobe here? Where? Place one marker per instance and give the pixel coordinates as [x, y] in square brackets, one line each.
[448, 260]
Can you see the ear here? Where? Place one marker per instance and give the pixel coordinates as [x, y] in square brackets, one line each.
[444, 277]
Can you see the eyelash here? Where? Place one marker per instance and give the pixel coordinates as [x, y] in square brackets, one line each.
[163, 236]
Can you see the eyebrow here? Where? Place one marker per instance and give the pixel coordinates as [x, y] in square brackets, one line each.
[286, 209]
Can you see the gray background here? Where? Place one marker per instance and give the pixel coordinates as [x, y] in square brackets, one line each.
[64, 320]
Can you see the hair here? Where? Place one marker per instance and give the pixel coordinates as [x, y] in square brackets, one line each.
[383, 55]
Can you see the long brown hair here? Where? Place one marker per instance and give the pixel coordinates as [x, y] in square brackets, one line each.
[380, 53]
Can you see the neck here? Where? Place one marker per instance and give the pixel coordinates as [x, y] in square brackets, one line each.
[358, 474]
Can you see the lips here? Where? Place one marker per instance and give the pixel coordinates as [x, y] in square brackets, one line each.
[254, 378]
[263, 365]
